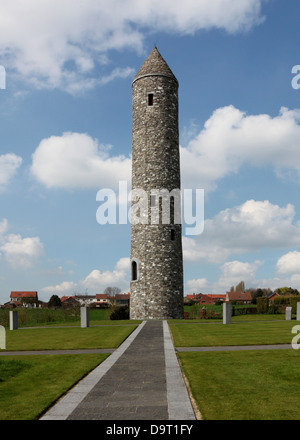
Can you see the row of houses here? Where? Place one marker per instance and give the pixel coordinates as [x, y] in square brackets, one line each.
[98, 300]
[238, 297]
[30, 299]
[201, 298]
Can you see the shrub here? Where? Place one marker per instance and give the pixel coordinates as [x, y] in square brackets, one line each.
[287, 300]
[119, 312]
[282, 300]
[262, 304]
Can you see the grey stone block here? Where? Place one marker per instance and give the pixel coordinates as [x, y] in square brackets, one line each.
[288, 313]
[2, 338]
[227, 313]
[13, 320]
[298, 311]
[84, 317]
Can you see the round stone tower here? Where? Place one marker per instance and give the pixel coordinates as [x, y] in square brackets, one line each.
[156, 287]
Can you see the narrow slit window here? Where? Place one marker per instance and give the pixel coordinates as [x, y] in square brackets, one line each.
[172, 234]
[134, 274]
[150, 99]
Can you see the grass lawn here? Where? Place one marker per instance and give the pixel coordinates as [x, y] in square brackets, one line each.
[241, 385]
[67, 337]
[29, 384]
[245, 385]
[244, 333]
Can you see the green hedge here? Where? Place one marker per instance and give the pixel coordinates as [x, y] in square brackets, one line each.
[262, 304]
[287, 301]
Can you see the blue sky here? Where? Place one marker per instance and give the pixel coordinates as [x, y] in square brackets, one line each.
[65, 118]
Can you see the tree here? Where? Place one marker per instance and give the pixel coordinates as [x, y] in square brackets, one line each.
[111, 292]
[240, 287]
[287, 291]
[54, 301]
[256, 293]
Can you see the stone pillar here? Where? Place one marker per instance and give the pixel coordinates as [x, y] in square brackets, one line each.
[84, 317]
[13, 320]
[227, 312]
[2, 338]
[288, 313]
[298, 311]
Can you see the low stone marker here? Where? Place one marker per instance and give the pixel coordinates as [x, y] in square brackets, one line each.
[288, 313]
[13, 320]
[84, 317]
[298, 311]
[2, 338]
[227, 312]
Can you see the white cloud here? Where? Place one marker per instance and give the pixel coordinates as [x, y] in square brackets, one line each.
[3, 227]
[66, 287]
[58, 43]
[117, 73]
[196, 285]
[21, 252]
[289, 263]
[235, 271]
[231, 138]
[18, 251]
[75, 160]
[97, 280]
[252, 226]
[9, 163]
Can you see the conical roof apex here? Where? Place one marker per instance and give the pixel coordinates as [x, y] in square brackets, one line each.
[154, 65]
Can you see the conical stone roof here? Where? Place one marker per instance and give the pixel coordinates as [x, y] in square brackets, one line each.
[154, 65]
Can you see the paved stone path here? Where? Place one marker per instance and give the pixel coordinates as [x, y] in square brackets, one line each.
[141, 380]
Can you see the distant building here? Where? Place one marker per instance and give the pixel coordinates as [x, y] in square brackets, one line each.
[202, 298]
[24, 299]
[121, 299]
[271, 297]
[69, 301]
[240, 297]
[102, 300]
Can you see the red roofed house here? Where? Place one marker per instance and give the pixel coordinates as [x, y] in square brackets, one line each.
[24, 299]
[102, 299]
[240, 297]
[201, 298]
[122, 299]
[271, 297]
[69, 301]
